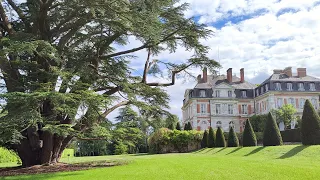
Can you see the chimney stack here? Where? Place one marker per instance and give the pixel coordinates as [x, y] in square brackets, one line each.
[288, 71]
[242, 75]
[205, 75]
[199, 78]
[302, 72]
[229, 75]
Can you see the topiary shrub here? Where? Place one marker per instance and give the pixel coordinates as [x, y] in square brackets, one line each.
[271, 134]
[310, 127]
[204, 141]
[220, 140]
[185, 127]
[171, 126]
[211, 138]
[233, 139]
[248, 136]
[178, 127]
[189, 126]
[7, 156]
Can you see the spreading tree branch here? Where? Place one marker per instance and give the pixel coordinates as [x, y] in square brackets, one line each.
[108, 111]
[5, 20]
[19, 12]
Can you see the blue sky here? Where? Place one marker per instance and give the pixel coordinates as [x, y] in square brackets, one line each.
[257, 35]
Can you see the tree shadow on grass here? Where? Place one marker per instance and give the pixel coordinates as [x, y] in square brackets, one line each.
[42, 176]
[255, 151]
[220, 150]
[293, 152]
[235, 150]
[199, 151]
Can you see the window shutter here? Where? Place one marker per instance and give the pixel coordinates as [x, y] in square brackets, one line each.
[297, 103]
[198, 108]
[249, 109]
[239, 109]
[285, 101]
[208, 108]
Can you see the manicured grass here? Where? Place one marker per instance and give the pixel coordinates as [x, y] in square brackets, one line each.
[285, 162]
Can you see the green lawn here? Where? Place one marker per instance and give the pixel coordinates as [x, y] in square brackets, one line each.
[286, 162]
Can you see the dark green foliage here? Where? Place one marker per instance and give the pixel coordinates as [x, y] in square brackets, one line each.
[233, 138]
[165, 141]
[310, 127]
[220, 140]
[271, 134]
[211, 138]
[249, 137]
[258, 122]
[189, 126]
[178, 127]
[171, 126]
[204, 141]
[185, 127]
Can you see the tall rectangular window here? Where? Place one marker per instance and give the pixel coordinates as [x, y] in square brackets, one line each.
[301, 103]
[218, 109]
[279, 102]
[278, 86]
[230, 108]
[289, 86]
[202, 93]
[257, 92]
[244, 109]
[244, 94]
[291, 101]
[262, 90]
[203, 108]
[314, 103]
[312, 87]
[229, 93]
[217, 93]
[301, 86]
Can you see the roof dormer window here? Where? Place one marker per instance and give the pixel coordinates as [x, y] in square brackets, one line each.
[202, 93]
[289, 86]
[278, 86]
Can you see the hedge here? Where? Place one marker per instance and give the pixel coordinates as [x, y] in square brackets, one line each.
[310, 125]
[7, 156]
[271, 134]
[165, 141]
[248, 136]
[220, 140]
[291, 135]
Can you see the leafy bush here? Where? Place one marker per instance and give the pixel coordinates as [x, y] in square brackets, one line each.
[211, 138]
[233, 139]
[310, 127]
[165, 140]
[8, 156]
[271, 134]
[258, 122]
[248, 136]
[204, 141]
[171, 126]
[67, 153]
[220, 140]
[120, 148]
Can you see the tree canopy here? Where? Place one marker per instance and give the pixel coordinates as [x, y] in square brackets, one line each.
[59, 57]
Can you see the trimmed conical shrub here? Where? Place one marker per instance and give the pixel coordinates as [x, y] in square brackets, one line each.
[310, 127]
[271, 134]
[248, 137]
[211, 138]
[178, 127]
[171, 126]
[204, 141]
[233, 139]
[189, 126]
[185, 127]
[220, 140]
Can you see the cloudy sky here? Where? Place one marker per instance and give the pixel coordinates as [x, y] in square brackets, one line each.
[258, 35]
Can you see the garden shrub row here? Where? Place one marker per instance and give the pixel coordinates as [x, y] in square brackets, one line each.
[165, 141]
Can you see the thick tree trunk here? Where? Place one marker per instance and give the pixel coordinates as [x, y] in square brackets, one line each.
[38, 149]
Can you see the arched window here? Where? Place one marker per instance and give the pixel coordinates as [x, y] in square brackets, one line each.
[231, 124]
[218, 124]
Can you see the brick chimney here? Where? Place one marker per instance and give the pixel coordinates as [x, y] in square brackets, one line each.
[302, 72]
[229, 75]
[205, 75]
[242, 75]
[288, 71]
[277, 71]
[199, 78]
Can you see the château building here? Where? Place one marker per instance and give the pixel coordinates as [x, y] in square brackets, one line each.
[227, 100]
